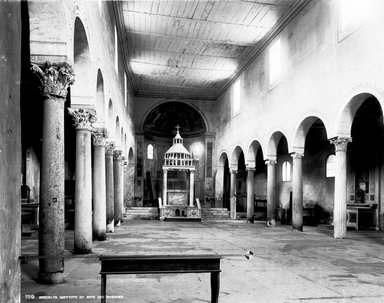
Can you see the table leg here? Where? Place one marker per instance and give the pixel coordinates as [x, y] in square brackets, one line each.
[103, 288]
[215, 287]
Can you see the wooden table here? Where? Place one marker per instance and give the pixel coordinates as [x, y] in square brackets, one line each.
[161, 264]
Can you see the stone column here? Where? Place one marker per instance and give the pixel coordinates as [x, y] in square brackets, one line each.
[297, 191]
[165, 175]
[271, 189]
[191, 187]
[122, 176]
[232, 194]
[250, 194]
[99, 184]
[110, 193]
[83, 120]
[118, 185]
[55, 79]
[340, 204]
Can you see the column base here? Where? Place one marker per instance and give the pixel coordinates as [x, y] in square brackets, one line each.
[111, 227]
[118, 223]
[100, 236]
[82, 250]
[51, 277]
[297, 227]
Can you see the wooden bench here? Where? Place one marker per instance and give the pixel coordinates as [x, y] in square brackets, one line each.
[161, 264]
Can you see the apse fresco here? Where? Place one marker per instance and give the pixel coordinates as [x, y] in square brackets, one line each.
[162, 120]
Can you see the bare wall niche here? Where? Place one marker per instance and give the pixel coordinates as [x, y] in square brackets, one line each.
[158, 131]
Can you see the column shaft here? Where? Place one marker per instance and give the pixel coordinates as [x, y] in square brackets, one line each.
[165, 175]
[55, 80]
[271, 189]
[118, 186]
[83, 193]
[297, 192]
[51, 229]
[110, 193]
[232, 195]
[340, 206]
[250, 195]
[191, 187]
[99, 193]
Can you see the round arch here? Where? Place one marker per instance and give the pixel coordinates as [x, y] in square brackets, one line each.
[349, 111]
[273, 143]
[206, 123]
[235, 156]
[100, 101]
[253, 148]
[82, 87]
[117, 132]
[111, 119]
[302, 131]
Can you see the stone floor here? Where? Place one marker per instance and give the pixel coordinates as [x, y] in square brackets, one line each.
[287, 266]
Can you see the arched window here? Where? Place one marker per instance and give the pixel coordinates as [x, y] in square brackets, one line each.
[330, 166]
[286, 171]
[150, 152]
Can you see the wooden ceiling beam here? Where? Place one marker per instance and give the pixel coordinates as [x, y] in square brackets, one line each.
[182, 53]
[182, 67]
[265, 3]
[179, 86]
[196, 20]
[191, 38]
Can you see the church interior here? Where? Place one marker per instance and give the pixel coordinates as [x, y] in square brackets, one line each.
[251, 131]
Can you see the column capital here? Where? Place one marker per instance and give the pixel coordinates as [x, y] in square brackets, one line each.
[117, 154]
[99, 136]
[233, 171]
[251, 168]
[340, 143]
[54, 78]
[297, 155]
[82, 119]
[109, 147]
[270, 162]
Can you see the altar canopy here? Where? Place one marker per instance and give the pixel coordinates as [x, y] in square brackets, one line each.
[178, 183]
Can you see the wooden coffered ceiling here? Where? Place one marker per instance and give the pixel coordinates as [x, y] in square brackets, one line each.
[194, 49]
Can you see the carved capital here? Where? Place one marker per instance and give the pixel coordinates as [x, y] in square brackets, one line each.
[109, 148]
[99, 136]
[270, 162]
[117, 155]
[341, 143]
[82, 119]
[251, 168]
[233, 171]
[297, 155]
[54, 78]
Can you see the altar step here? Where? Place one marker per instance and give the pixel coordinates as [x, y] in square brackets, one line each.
[141, 213]
[182, 219]
[214, 214]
